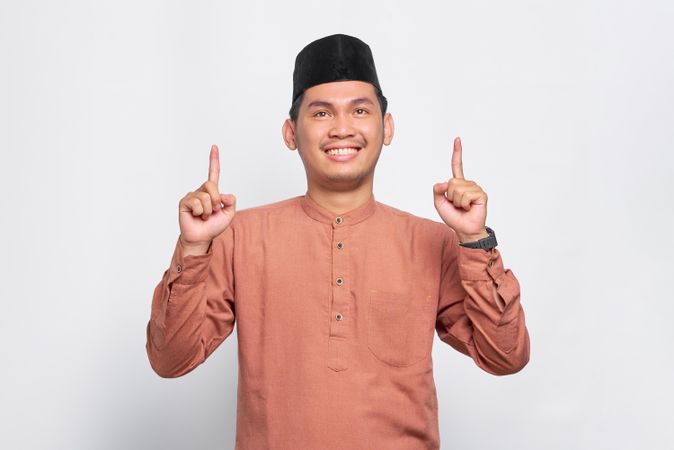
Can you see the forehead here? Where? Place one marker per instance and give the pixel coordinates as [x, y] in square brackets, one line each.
[340, 91]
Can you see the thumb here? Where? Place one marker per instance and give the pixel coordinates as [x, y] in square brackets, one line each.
[440, 188]
[227, 199]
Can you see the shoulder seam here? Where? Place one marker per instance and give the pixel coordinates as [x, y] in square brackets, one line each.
[273, 205]
[400, 212]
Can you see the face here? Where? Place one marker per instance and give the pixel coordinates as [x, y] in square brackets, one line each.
[341, 114]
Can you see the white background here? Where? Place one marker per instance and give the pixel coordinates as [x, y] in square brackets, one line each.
[107, 113]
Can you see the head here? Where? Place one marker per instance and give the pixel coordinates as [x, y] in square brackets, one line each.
[337, 103]
[347, 113]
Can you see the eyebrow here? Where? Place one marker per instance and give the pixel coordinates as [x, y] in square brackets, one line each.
[328, 104]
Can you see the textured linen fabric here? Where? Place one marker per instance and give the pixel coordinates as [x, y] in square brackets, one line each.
[336, 315]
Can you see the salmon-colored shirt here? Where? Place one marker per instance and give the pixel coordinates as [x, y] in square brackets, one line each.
[336, 317]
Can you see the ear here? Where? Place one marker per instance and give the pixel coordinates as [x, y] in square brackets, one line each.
[388, 128]
[288, 132]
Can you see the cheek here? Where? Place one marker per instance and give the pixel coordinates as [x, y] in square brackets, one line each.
[372, 130]
[312, 136]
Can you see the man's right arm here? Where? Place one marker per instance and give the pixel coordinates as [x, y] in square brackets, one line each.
[192, 309]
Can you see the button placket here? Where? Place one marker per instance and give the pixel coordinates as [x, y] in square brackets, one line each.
[341, 296]
[340, 285]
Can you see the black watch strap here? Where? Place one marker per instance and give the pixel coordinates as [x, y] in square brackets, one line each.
[486, 243]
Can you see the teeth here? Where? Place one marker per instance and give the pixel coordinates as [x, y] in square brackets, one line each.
[342, 151]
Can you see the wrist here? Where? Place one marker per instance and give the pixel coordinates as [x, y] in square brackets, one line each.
[195, 249]
[463, 238]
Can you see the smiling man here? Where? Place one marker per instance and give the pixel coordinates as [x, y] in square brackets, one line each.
[337, 297]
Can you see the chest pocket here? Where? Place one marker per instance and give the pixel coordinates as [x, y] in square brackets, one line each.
[400, 326]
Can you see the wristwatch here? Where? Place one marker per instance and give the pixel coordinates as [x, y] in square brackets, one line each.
[486, 243]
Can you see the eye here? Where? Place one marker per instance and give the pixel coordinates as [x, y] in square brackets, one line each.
[364, 111]
[320, 112]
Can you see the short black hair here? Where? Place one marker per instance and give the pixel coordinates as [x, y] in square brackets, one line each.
[295, 107]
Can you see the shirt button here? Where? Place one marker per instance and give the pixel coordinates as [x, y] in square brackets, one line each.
[339, 281]
[339, 316]
[179, 268]
[340, 245]
[338, 220]
[490, 263]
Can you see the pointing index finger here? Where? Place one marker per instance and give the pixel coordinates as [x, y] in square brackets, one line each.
[457, 164]
[214, 165]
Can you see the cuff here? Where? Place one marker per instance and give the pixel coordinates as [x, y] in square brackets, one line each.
[189, 269]
[477, 264]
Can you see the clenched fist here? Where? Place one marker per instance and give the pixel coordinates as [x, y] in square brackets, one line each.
[205, 213]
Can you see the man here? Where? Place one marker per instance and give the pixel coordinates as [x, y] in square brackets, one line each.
[336, 296]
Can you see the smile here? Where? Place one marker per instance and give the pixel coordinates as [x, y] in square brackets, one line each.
[343, 151]
[342, 154]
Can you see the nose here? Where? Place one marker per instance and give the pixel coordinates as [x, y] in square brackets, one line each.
[342, 127]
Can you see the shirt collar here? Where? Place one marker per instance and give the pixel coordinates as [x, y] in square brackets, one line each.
[352, 217]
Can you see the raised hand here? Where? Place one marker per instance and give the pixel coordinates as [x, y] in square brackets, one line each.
[461, 203]
[205, 213]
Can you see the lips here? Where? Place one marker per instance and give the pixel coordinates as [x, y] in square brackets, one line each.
[342, 156]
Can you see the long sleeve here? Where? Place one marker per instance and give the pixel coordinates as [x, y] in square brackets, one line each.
[192, 309]
[471, 318]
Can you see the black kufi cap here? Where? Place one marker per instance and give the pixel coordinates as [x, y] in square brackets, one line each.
[333, 58]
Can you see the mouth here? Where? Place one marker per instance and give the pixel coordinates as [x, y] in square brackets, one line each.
[342, 153]
[341, 150]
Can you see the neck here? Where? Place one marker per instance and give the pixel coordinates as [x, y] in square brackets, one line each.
[340, 202]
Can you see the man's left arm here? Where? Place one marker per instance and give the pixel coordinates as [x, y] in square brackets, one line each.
[479, 311]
